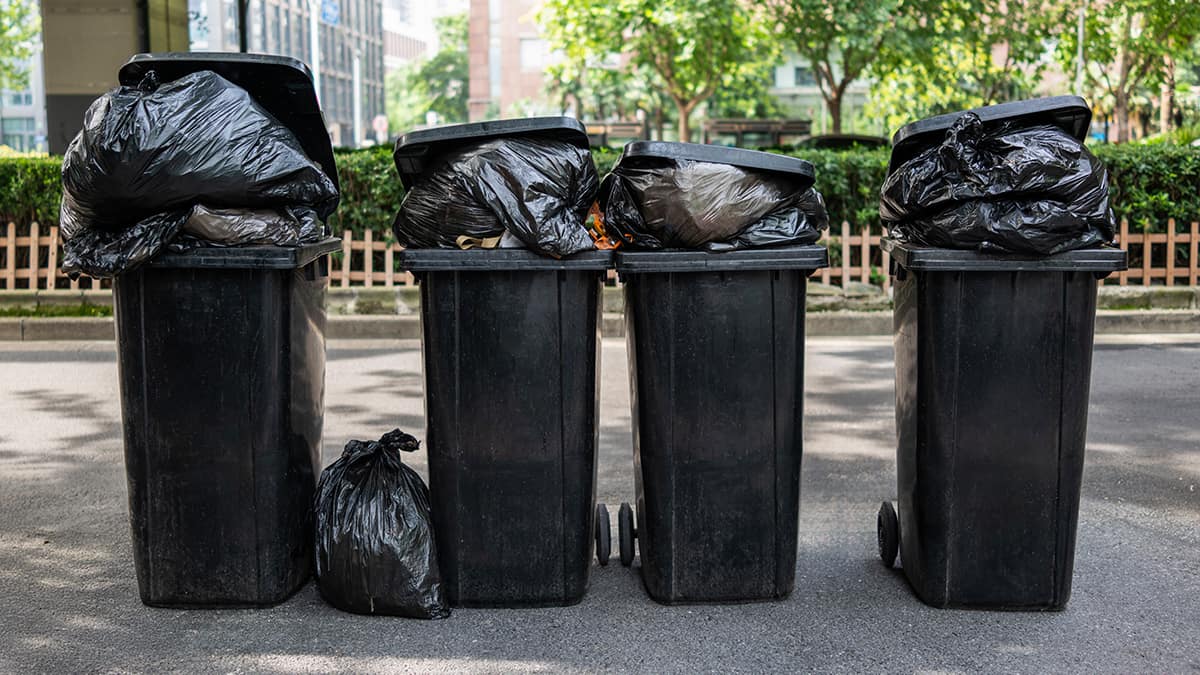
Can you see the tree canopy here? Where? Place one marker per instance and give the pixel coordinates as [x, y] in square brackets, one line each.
[841, 40]
[437, 85]
[919, 57]
[20, 29]
[692, 47]
[1131, 46]
[956, 54]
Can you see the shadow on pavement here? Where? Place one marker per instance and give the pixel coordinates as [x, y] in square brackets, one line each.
[70, 599]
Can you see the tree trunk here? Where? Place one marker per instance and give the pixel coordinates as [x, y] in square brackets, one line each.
[1121, 115]
[659, 123]
[1167, 102]
[1122, 91]
[685, 123]
[834, 103]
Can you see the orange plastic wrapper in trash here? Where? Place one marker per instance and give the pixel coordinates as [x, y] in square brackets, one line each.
[596, 229]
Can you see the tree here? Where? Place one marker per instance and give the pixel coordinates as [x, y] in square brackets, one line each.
[405, 98]
[960, 54]
[598, 92]
[691, 46]
[437, 85]
[1128, 46]
[746, 94]
[20, 27]
[841, 39]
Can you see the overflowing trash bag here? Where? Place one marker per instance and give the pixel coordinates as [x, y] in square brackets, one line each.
[1034, 190]
[676, 203]
[289, 226]
[195, 155]
[375, 547]
[535, 190]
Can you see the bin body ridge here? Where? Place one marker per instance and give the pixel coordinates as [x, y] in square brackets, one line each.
[222, 390]
[511, 360]
[992, 376]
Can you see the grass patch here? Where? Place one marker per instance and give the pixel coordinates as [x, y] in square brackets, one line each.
[57, 311]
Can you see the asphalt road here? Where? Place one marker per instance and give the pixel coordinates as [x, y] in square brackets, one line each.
[68, 598]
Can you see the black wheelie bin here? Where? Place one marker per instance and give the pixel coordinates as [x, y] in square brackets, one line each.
[511, 353]
[716, 368]
[993, 365]
[221, 353]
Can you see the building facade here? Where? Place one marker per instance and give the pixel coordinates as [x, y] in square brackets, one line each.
[508, 58]
[85, 43]
[350, 42]
[23, 113]
[408, 32]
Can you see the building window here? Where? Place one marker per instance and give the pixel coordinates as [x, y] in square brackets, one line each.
[19, 124]
[21, 98]
[400, 7]
[17, 133]
[805, 77]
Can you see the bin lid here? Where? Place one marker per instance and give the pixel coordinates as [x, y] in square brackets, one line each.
[416, 150]
[1104, 259]
[248, 257]
[1069, 113]
[498, 260]
[280, 84]
[810, 257]
[639, 151]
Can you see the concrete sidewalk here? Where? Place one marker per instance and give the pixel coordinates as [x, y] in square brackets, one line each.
[69, 600]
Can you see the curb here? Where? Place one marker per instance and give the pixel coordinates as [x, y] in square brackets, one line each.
[373, 327]
[29, 329]
[407, 327]
[1154, 321]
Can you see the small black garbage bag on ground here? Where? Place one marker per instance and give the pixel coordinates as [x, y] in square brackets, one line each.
[1034, 190]
[375, 547]
[710, 206]
[148, 155]
[538, 190]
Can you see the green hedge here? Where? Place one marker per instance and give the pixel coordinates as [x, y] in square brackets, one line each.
[1149, 185]
[371, 191]
[30, 189]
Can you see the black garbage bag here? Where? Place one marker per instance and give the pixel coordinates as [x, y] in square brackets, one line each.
[106, 253]
[148, 154]
[538, 190]
[375, 547]
[289, 226]
[704, 205]
[1034, 190]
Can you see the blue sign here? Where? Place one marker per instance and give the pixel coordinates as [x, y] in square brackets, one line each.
[331, 12]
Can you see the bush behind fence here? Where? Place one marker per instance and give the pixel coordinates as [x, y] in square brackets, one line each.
[1149, 184]
[1152, 186]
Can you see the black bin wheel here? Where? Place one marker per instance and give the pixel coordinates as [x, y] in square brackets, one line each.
[888, 530]
[603, 534]
[626, 532]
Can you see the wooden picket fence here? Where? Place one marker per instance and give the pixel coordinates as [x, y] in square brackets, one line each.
[30, 255]
[29, 261]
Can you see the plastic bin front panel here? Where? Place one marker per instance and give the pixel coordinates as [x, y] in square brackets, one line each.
[992, 377]
[717, 377]
[511, 364]
[222, 386]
